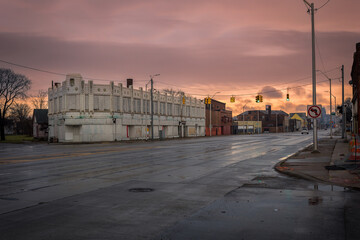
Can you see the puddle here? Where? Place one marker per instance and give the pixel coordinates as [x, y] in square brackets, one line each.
[327, 188]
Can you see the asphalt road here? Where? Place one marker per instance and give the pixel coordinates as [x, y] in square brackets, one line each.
[206, 188]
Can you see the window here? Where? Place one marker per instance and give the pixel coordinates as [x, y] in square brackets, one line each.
[162, 108]
[72, 82]
[176, 109]
[169, 109]
[137, 106]
[126, 104]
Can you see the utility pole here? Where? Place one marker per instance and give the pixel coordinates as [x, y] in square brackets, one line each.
[312, 10]
[258, 122]
[331, 124]
[343, 105]
[152, 105]
[152, 108]
[210, 127]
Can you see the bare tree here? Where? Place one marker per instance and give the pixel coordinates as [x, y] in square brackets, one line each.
[172, 91]
[39, 100]
[19, 112]
[12, 86]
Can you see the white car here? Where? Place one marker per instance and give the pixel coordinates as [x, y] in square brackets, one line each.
[304, 130]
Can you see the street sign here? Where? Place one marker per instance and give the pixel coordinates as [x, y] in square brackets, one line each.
[314, 111]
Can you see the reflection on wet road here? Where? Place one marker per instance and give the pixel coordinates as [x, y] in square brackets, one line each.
[87, 191]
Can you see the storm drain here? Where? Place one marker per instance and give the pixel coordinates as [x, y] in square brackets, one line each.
[141, 189]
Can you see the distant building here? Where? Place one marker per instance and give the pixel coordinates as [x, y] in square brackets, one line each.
[272, 121]
[221, 119]
[88, 112]
[297, 121]
[40, 123]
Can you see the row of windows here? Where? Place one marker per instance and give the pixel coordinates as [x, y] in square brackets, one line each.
[102, 103]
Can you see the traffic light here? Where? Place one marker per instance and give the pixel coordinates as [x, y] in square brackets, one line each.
[183, 100]
[260, 98]
[287, 97]
[232, 99]
[257, 98]
[209, 100]
[206, 101]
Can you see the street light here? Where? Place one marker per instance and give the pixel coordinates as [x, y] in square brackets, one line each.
[152, 104]
[312, 12]
[331, 135]
[210, 127]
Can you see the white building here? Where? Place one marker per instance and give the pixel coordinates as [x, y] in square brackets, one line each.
[87, 112]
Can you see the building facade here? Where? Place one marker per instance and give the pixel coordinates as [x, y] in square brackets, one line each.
[40, 123]
[355, 82]
[221, 119]
[88, 112]
[272, 121]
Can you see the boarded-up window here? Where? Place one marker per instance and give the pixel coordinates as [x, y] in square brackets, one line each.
[87, 102]
[126, 104]
[137, 106]
[162, 108]
[116, 105]
[55, 105]
[106, 103]
[60, 104]
[177, 110]
[155, 107]
[169, 109]
[71, 102]
[146, 106]
[96, 102]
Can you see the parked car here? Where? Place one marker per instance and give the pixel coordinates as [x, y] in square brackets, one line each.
[304, 130]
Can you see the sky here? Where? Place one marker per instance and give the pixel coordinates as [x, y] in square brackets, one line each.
[235, 47]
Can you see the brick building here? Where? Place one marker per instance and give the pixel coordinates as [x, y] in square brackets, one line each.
[221, 119]
[271, 121]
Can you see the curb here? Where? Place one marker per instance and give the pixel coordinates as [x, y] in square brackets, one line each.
[287, 171]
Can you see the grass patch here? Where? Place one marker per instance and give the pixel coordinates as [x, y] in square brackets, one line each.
[17, 139]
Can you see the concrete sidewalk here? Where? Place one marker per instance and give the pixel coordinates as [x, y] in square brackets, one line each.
[330, 166]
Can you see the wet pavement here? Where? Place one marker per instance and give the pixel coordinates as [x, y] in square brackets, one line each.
[206, 188]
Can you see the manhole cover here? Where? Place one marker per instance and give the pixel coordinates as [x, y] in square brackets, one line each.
[141, 190]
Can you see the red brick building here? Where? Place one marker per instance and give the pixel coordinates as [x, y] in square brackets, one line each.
[221, 119]
[271, 121]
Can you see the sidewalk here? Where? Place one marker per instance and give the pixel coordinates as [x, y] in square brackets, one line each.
[330, 166]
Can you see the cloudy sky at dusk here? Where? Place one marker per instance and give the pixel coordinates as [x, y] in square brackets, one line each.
[234, 47]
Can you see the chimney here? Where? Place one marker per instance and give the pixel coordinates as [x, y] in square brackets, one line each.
[129, 82]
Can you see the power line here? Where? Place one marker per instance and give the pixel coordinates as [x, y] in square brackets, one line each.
[323, 5]
[55, 73]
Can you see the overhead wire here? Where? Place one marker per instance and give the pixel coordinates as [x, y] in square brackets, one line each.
[323, 5]
[169, 84]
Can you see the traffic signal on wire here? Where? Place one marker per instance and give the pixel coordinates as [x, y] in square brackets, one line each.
[257, 98]
[287, 97]
[260, 98]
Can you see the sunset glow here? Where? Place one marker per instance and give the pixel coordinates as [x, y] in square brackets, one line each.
[237, 48]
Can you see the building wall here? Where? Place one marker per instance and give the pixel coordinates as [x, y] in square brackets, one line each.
[221, 119]
[246, 127]
[87, 112]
